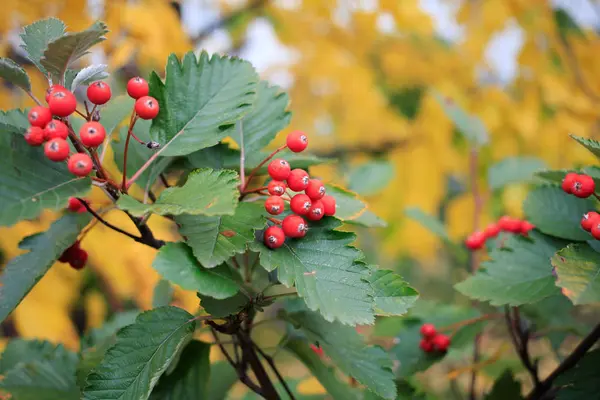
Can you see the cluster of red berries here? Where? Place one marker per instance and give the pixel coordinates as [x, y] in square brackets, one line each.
[578, 185]
[53, 133]
[313, 204]
[590, 222]
[476, 240]
[432, 340]
[74, 256]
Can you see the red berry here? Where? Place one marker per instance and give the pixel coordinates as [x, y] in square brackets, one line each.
[274, 205]
[276, 188]
[80, 164]
[92, 134]
[62, 103]
[328, 205]
[294, 226]
[34, 135]
[300, 204]
[584, 186]
[79, 260]
[137, 87]
[318, 350]
[274, 237]
[296, 141]
[315, 189]
[56, 129]
[39, 116]
[426, 345]
[317, 211]
[428, 330]
[509, 224]
[475, 240]
[492, 230]
[441, 342]
[75, 205]
[279, 169]
[526, 226]
[52, 89]
[146, 107]
[57, 149]
[298, 180]
[589, 219]
[595, 231]
[99, 93]
[70, 253]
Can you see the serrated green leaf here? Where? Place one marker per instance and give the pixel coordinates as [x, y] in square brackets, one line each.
[22, 351]
[162, 294]
[200, 101]
[216, 239]
[222, 377]
[371, 177]
[518, 273]
[578, 273]
[470, 126]
[430, 223]
[221, 308]
[14, 73]
[557, 213]
[506, 387]
[350, 208]
[12, 122]
[206, 192]
[326, 271]
[392, 295]
[36, 37]
[65, 50]
[89, 74]
[580, 382]
[592, 145]
[141, 355]
[189, 380]
[176, 262]
[22, 273]
[513, 170]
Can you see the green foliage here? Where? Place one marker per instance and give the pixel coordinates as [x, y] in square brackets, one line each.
[353, 210]
[371, 177]
[221, 308]
[578, 269]
[507, 387]
[592, 145]
[36, 37]
[14, 73]
[163, 294]
[513, 170]
[581, 382]
[470, 126]
[88, 75]
[222, 378]
[392, 295]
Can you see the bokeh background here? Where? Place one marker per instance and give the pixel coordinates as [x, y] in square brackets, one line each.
[363, 76]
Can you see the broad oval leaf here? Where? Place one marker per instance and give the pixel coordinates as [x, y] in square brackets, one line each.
[14, 73]
[392, 295]
[89, 75]
[221, 308]
[578, 273]
[36, 37]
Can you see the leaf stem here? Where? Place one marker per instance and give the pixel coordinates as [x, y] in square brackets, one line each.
[132, 121]
[255, 170]
[106, 223]
[30, 94]
[87, 118]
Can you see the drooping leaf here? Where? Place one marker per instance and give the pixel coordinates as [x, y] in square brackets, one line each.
[36, 37]
[578, 273]
[371, 177]
[221, 308]
[176, 262]
[580, 382]
[351, 209]
[64, 51]
[470, 126]
[406, 391]
[222, 377]
[513, 170]
[506, 387]
[163, 294]
[89, 75]
[518, 273]
[592, 145]
[206, 192]
[22, 273]
[141, 355]
[432, 224]
[14, 73]
[109, 328]
[216, 239]
[392, 295]
[557, 213]
[200, 101]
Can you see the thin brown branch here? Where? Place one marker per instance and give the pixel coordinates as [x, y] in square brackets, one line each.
[271, 363]
[375, 150]
[519, 339]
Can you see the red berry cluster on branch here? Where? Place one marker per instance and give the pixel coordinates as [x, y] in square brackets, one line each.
[476, 240]
[579, 185]
[74, 256]
[432, 340]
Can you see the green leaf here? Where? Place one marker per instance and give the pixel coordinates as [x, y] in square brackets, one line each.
[507, 387]
[222, 377]
[12, 123]
[470, 126]
[221, 308]
[350, 208]
[200, 101]
[22, 273]
[519, 273]
[216, 239]
[513, 170]
[406, 391]
[371, 177]
[206, 192]
[392, 295]
[592, 145]
[115, 112]
[163, 294]
[22, 351]
[189, 380]
[557, 213]
[369, 365]
[109, 329]
[142, 353]
[578, 273]
[176, 262]
[580, 382]
[36, 37]
[24, 191]
[89, 74]
[14, 73]
[432, 224]
[64, 51]
[70, 75]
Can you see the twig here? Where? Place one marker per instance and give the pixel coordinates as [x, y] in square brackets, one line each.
[247, 269]
[271, 363]
[82, 115]
[276, 296]
[129, 132]
[249, 355]
[255, 170]
[458, 325]
[520, 344]
[163, 180]
[33, 98]
[106, 223]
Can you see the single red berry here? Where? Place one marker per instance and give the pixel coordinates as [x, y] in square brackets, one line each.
[52, 89]
[526, 226]
[56, 129]
[428, 330]
[589, 219]
[79, 260]
[70, 253]
[441, 342]
[274, 205]
[584, 186]
[92, 134]
[300, 204]
[39, 116]
[296, 141]
[595, 231]
[276, 188]
[475, 240]
[317, 349]
[57, 149]
[137, 87]
[80, 164]
[329, 205]
[294, 226]
[509, 224]
[99, 93]
[279, 169]
[315, 189]
[568, 182]
[62, 103]
[274, 237]
[146, 107]
[317, 211]
[34, 135]
[492, 230]
[426, 345]
[298, 180]
[75, 205]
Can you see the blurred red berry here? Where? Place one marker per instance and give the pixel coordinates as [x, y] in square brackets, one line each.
[315, 189]
[426, 345]
[568, 182]
[475, 240]
[62, 103]
[294, 226]
[441, 342]
[56, 129]
[428, 330]
[492, 230]
[588, 220]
